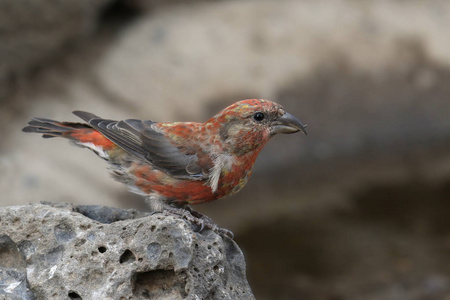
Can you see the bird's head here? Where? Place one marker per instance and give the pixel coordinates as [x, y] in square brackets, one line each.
[247, 125]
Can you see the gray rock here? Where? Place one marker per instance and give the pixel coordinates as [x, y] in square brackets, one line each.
[61, 251]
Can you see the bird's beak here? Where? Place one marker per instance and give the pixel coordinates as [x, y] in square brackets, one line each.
[287, 123]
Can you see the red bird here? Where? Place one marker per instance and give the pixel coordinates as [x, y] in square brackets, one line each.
[180, 163]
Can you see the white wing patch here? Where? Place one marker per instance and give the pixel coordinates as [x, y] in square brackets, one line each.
[97, 149]
[221, 162]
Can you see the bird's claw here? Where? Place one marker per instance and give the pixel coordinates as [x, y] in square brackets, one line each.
[201, 221]
[225, 232]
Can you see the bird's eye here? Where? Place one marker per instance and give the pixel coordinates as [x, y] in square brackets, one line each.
[259, 116]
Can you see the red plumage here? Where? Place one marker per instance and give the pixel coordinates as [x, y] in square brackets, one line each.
[180, 163]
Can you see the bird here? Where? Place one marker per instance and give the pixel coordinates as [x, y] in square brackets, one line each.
[178, 164]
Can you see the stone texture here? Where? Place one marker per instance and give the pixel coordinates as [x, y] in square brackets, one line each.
[62, 251]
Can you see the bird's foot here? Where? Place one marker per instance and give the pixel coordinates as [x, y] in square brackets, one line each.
[201, 221]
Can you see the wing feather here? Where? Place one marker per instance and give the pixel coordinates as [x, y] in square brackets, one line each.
[143, 140]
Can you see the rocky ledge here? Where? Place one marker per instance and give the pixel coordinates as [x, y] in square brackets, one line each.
[62, 251]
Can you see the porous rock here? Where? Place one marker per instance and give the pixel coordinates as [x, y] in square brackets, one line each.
[61, 251]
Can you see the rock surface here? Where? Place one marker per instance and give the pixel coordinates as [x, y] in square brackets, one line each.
[61, 251]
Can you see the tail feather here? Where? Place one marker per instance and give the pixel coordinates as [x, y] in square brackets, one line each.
[50, 128]
[86, 116]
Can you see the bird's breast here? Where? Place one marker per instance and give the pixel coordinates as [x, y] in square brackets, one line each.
[227, 177]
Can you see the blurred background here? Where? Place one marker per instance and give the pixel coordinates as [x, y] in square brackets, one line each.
[358, 209]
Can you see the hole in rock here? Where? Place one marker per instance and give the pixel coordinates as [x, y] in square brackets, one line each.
[102, 249]
[118, 14]
[74, 295]
[160, 284]
[127, 257]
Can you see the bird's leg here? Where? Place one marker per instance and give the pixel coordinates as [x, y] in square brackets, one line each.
[198, 219]
[199, 215]
[208, 223]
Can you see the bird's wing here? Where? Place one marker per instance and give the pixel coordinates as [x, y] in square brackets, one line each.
[141, 139]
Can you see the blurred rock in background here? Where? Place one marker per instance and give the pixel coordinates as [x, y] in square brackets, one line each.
[356, 210]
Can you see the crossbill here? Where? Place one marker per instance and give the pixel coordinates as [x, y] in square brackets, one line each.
[176, 164]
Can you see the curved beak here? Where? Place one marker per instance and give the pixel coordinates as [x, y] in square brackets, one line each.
[288, 123]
